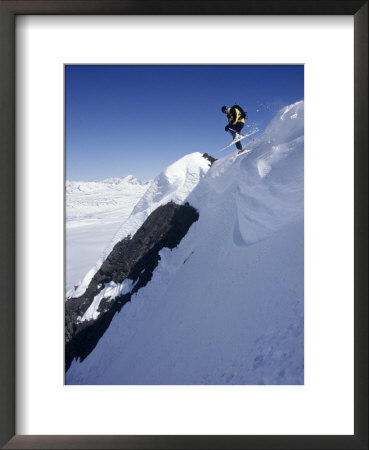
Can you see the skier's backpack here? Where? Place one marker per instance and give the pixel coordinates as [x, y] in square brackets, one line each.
[243, 113]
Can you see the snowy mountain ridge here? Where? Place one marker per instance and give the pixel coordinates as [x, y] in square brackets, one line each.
[225, 305]
[71, 186]
[175, 183]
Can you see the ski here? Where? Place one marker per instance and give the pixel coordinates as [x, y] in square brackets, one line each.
[241, 136]
[234, 142]
[243, 152]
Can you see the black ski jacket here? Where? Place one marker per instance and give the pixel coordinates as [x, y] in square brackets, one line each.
[234, 116]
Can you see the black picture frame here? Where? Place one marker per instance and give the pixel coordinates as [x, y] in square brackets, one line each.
[8, 11]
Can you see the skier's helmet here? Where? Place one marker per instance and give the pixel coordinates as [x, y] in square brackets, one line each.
[224, 108]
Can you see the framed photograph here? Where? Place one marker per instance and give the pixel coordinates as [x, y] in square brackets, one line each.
[184, 224]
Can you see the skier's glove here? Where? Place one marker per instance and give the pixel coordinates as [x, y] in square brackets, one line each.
[226, 128]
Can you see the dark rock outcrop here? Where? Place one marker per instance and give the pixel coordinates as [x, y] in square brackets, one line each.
[133, 258]
[209, 158]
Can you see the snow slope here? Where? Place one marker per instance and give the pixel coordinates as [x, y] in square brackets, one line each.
[226, 305]
[94, 212]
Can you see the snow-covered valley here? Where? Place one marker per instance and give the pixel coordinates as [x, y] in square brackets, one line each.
[224, 306]
[94, 212]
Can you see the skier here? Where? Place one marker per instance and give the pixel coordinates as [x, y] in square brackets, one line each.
[236, 120]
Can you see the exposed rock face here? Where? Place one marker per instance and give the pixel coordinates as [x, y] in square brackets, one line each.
[133, 258]
[209, 158]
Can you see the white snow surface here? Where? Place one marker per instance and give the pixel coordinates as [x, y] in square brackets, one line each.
[226, 305]
[110, 291]
[94, 212]
[94, 199]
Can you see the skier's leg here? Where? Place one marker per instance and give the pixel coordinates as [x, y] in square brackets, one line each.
[235, 135]
[238, 127]
[239, 145]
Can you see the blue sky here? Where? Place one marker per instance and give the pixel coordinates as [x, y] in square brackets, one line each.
[138, 119]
